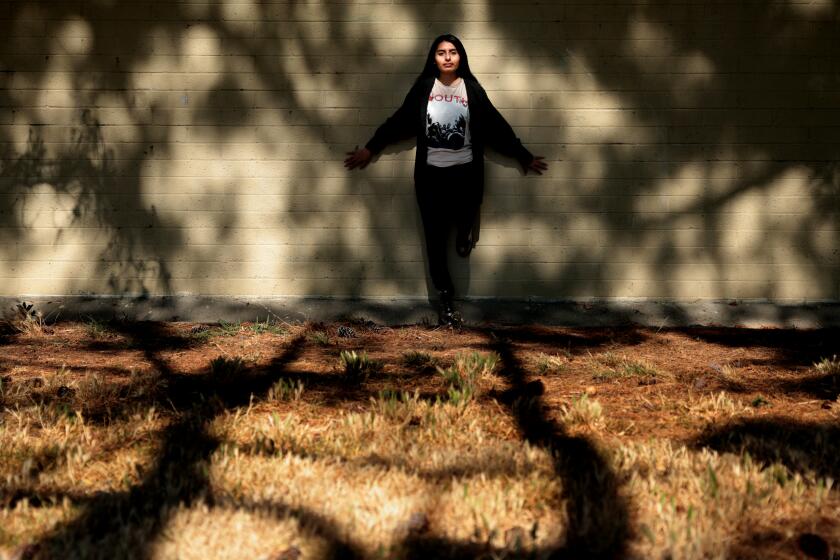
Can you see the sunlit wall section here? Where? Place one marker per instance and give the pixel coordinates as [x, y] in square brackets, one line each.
[165, 148]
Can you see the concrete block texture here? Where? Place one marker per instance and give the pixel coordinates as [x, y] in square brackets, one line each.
[194, 149]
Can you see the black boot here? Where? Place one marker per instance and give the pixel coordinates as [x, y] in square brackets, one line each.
[448, 316]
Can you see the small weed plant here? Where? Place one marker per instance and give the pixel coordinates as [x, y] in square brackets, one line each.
[94, 388]
[223, 328]
[223, 368]
[286, 390]
[759, 401]
[229, 329]
[357, 364]
[26, 310]
[418, 360]
[320, 338]
[267, 326]
[395, 405]
[828, 366]
[729, 375]
[464, 374]
[96, 328]
[715, 405]
[551, 363]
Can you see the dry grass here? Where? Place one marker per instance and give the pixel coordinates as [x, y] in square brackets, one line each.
[582, 411]
[715, 406]
[398, 458]
[444, 450]
[610, 366]
[547, 364]
[693, 503]
[26, 319]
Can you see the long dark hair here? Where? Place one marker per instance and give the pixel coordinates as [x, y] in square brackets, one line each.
[430, 70]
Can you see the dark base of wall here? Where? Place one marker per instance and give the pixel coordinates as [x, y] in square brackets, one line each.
[754, 314]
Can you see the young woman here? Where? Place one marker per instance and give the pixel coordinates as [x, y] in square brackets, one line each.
[450, 115]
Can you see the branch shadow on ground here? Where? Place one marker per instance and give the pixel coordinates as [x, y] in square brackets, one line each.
[802, 447]
[598, 516]
[180, 476]
[791, 347]
[119, 523]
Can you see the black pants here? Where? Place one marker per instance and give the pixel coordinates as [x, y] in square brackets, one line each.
[447, 196]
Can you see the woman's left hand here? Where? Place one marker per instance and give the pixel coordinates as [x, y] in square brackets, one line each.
[537, 165]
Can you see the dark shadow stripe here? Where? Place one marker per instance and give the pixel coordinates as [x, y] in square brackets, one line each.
[597, 515]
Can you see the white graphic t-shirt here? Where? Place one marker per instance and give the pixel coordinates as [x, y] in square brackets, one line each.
[448, 125]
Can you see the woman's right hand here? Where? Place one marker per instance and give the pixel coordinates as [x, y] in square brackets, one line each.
[358, 158]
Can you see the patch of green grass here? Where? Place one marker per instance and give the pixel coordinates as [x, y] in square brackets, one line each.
[605, 375]
[201, 332]
[96, 328]
[622, 367]
[229, 329]
[638, 369]
[267, 326]
[319, 337]
[223, 328]
[610, 359]
[463, 375]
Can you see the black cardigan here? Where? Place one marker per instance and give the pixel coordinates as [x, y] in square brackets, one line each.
[487, 128]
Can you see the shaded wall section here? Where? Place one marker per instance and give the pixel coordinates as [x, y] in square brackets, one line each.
[163, 148]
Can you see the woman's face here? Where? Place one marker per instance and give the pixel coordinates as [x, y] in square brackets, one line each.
[447, 58]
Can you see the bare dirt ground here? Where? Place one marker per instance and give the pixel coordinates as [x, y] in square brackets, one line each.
[256, 440]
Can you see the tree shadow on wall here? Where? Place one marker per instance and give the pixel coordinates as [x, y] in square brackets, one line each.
[731, 103]
[738, 103]
[87, 188]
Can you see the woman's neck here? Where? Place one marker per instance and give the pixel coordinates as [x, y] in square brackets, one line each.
[448, 79]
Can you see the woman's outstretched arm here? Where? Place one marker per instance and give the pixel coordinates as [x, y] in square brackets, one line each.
[502, 138]
[399, 126]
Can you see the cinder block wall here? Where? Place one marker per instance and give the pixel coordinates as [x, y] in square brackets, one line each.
[195, 147]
